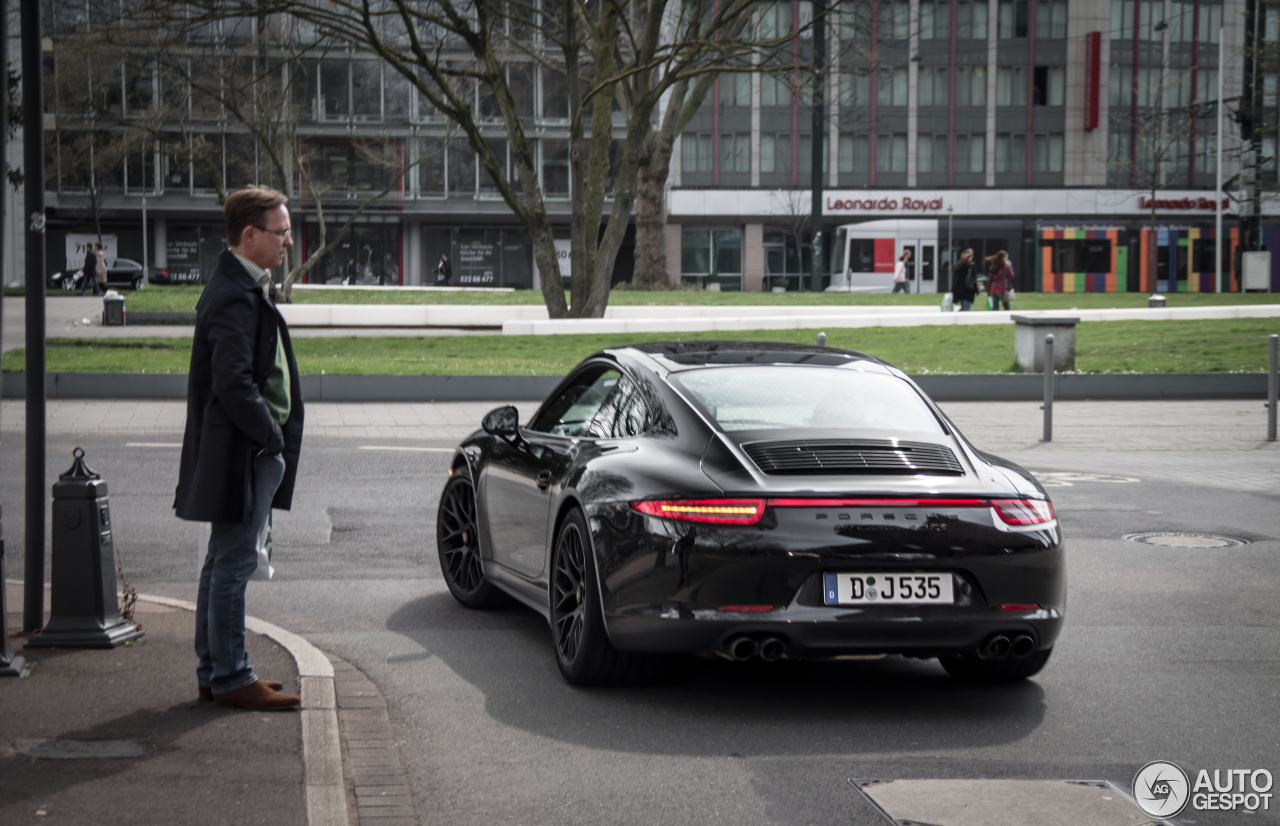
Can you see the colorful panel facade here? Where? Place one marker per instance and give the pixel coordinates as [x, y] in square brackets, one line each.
[1182, 260]
[1082, 261]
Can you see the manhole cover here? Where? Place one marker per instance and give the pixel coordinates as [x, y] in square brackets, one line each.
[79, 749]
[1185, 539]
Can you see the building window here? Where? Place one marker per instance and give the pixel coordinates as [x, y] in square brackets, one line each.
[855, 153]
[1051, 19]
[1011, 153]
[775, 20]
[891, 153]
[775, 153]
[855, 19]
[695, 152]
[895, 20]
[931, 154]
[555, 95]
[1050, 85]
[431, 166]
[555, 167]
[1011, 86]
[735, 152]
[1119, 85]
[1012, 19]
[891, 87]
[1151, 23]
[1046, 153]
[935, 20]
[774, 91]
[855, 87]
[461, 169]
[1211, 22]
[1207, 88]
[717, 252]
[335, 94]
[933, 85]
[971, 153]
[971, 86]
[971, 20]
[366, 90]
[735, 89]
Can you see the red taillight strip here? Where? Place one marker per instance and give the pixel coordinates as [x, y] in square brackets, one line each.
[879, 503]
[709, 511]
[1022, 512]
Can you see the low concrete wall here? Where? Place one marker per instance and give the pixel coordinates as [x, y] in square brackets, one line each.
[326, 388]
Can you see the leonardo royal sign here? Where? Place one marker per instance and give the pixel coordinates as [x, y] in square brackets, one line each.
[903, 204]
[1179, 203]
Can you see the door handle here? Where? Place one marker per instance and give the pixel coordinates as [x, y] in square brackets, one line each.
[544, 480]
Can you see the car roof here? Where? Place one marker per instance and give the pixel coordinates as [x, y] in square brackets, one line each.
[675, 356]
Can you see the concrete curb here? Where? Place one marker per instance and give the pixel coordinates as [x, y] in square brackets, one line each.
[948, 388]
[326, 794]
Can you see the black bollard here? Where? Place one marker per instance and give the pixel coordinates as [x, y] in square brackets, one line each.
[85, 611]
[10, 664]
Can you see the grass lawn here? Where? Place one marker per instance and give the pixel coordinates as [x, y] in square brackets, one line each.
[1233, 345]
[182, 298]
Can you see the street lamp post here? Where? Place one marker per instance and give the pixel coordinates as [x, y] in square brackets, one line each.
[1217, 193]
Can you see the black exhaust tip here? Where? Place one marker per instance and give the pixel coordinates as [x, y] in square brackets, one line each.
[1022, 646]
[996, 647]
[772, 649]
[741, 648]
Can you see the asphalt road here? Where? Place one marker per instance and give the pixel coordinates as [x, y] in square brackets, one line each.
[1168, 653]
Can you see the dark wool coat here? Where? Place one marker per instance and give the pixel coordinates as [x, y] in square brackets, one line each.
[228, 423]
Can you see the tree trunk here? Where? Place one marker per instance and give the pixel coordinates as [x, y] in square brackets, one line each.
[651, 218]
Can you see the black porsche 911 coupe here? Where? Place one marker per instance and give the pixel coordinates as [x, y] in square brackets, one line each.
[745, 500]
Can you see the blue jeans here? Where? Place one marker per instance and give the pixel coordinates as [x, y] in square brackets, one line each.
[900, 287]
[232, 559]
[1000, 298]
[965, 306]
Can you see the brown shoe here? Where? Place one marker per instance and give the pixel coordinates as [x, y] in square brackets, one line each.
[206, 693]
[257, 697]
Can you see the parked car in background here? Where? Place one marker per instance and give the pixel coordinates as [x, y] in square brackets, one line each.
[121, 272]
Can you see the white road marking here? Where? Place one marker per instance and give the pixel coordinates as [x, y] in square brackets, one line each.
[399, 449]
[153, 444]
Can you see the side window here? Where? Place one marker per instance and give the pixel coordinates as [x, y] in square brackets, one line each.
[632, 410]
[573, 412]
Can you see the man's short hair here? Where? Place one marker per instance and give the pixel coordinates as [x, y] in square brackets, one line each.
[246, 207]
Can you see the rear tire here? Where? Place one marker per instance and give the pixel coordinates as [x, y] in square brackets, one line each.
[458, 544]
[972, 669]
[583, 651]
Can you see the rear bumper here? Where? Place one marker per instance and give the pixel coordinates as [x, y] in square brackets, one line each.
[817, 633]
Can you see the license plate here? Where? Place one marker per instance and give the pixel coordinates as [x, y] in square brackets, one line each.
[888, 589]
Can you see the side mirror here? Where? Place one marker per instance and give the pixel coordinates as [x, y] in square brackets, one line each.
[504, 422]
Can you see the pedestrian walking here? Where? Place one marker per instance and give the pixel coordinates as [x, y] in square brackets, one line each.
[89, 272]
[900, 273]
[443, 271]
[964, 287]
[1001, 284]
[100, 269]
[242, 440]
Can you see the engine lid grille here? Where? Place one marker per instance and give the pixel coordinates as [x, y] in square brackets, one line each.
[853, 456]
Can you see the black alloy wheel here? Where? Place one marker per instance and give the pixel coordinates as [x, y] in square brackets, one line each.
[973, 669]
[458, 543]
[583, 651]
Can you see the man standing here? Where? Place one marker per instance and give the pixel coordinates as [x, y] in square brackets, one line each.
[444, 273]
[243, 436]
[89, 276]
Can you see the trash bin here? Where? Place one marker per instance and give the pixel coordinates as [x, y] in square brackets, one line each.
[113, 309]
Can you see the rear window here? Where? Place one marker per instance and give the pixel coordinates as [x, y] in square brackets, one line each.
[764, 398]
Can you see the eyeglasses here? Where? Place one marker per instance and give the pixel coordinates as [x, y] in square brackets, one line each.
[286, 234]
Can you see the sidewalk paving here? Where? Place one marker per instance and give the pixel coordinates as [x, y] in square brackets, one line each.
[180, 760]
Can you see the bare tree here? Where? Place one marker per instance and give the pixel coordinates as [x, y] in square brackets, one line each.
[616, 59]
